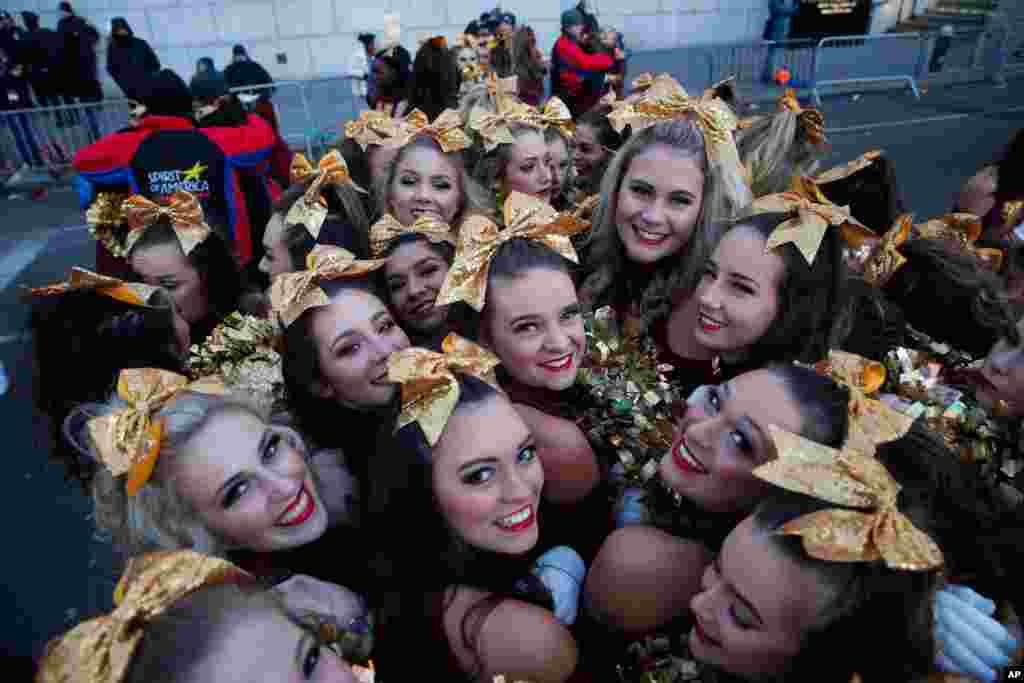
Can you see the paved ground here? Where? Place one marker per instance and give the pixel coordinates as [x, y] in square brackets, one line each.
[57, 572]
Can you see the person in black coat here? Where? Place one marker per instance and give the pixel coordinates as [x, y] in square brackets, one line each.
[129, 58]
[78, 76]
[244, 72]
[14, 95]
[11, 38]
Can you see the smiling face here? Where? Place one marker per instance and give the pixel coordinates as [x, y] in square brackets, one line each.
[249, 483]
[723, 436]
[558, 159]
[755, 606]
[276, 259]
[354, 336]
[466, 57]
[590, 153]
[738, 294]
[659, 204]
[415, 273]
[425, 182]
[266, 645]
[1004, 373]
[488, 478]
[534, 324]
[165, 265]
[529, 166]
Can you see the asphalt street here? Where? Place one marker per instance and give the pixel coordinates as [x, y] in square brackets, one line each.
[58, 571]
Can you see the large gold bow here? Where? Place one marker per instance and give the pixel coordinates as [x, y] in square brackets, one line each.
[963, 229]
[811, 121]
[310, 209]
[472, 73]
[479, 240]
[885, 258]
[291, 294]
[555, 114]
[446, 130]
[643, 82]
[104, 216]
[128, 441]
[100, 650]
[877, 530]
[812, 215]
[373, 128]
[1012, 212]
[430, 389]
[848, 169]
[384, 232]
[183, 211]
[494, 127]
[871, 421]
[665, 100]
[82, 280]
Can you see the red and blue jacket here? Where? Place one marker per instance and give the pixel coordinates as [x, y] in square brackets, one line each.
[115, 162]
[573, 68]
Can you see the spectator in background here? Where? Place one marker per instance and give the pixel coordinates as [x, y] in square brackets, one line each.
[11, 39]
[243, 72]
[506, 25]
[392, 73]
[529, 65]
[205, 69]
[16, 96]
[77, 80]
[435, 79]
[576, 76]
[360, 71]
[41, 55]
[129, 59]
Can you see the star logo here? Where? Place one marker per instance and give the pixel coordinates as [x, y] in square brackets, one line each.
[196, 172]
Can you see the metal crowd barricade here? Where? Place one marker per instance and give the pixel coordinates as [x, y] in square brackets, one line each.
[691, 66]
[332, 104]
[757, 62]
[49, 137]
[291, 109]
[882, 58]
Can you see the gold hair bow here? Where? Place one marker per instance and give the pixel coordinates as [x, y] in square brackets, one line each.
[871, 421]
[666, 100]
[1012, 212]
[82, 280]
[103, 217]
[495, 128]
[847, 170]
[310, 209]
[183, 211]
[128, 441]
[430, 389]
[446, 130]
[373, 128]
[385, 231]
[472, 73]
[292, 294]
[479, 240]
[101, 649]
[885, 258]
[963, 229]
[812, 215]
[877, 530]
[812, 121]
[555, 114]
[643, 82]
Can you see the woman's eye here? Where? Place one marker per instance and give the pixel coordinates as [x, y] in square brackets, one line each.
[443, 186]
[746, 289]
[714, 401]
[395, 286]
[408, 182]
[682, 201]
[741, 442]
[640, 190]
[741, 619]
[310, 662]
[270, 451]
[525, 327]
[527, 168]
[428, 271]
[348, 350]
[571, 313]
[234, 494]
[527, 455]
[480, 476]
[387, 326]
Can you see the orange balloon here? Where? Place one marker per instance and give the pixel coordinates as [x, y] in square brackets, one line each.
[782, 76]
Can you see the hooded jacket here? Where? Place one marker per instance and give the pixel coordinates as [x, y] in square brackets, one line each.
[129, 59]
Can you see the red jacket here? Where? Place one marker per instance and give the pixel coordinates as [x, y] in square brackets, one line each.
[572, 66]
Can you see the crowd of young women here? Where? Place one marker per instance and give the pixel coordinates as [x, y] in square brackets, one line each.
[388, 452]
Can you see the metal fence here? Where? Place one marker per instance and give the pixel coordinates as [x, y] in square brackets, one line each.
[311, 113]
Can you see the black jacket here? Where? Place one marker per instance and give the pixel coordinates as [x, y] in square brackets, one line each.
[14, 93]
[79, 56]
[12, 42]
[41, 54]
[130, 59]
[248, 73]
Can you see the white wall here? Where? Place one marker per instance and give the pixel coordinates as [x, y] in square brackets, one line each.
[318, 36]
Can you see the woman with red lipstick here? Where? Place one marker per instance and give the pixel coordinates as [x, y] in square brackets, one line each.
[521, 166]
[463, 477]
[596, 144]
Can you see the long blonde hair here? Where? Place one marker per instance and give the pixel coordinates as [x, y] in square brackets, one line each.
[774, 149]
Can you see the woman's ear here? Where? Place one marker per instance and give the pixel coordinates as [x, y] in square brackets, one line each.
[323, 389]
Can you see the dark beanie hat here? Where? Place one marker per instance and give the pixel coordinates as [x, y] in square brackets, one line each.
[165, 94]
[239, 50]
[31, 20]
[571, 17]
[65, 7]
[119, 22]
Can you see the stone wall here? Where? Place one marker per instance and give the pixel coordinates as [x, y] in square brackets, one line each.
[303, 38]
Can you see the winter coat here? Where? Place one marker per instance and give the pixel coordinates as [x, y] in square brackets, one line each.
[130, 59]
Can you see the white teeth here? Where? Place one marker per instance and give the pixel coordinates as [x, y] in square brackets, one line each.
[298, 510]
[559, 363]
[517, 518]
[711, 321]
[682, 450]
[651, 236]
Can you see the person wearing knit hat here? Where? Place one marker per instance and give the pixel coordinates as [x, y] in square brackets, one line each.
[244, 72]
[578, 77]
[130, 59]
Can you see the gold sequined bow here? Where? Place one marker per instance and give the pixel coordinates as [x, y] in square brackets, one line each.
[446, 130]
[183, 211]
[555, 114]
[310, 209]
[472, 73]
[847, 170]
[876, 530]
[963, 229]
[384, 232]
[1012, 212]
[871, 421]
[82, 280]
[373, 128]
[100, 650]
[479, 240]
[643, 82]
[812, 214]
[495, 127]
[292, 294]
[104, 216]
[811, 121]
[430, 389]
[667, 100]
[885, 259]
[128, 441]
